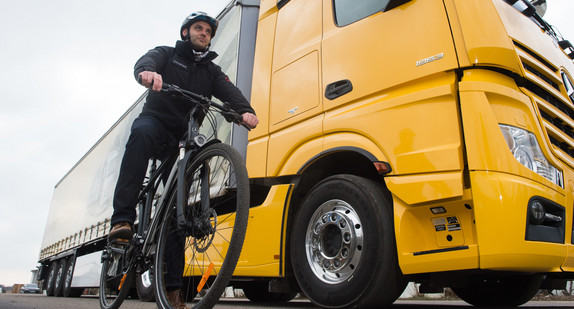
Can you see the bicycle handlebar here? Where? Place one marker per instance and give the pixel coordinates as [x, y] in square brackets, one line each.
[226, 111]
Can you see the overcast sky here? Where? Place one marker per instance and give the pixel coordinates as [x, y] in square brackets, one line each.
[66, 77]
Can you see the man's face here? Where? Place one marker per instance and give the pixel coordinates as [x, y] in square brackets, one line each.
[199, 35]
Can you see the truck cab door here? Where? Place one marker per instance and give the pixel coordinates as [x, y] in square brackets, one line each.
[388, 76]
[295, 108]
[373, 45]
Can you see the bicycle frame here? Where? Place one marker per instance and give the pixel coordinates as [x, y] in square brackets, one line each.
[187, 148]
[190, 145]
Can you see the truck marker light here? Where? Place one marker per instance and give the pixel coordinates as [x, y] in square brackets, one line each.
[382, 167]
[204, 277]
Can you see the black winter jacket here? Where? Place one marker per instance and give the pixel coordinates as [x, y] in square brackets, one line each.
[178, 66]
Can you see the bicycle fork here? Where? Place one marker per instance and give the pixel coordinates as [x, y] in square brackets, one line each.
[198, 224]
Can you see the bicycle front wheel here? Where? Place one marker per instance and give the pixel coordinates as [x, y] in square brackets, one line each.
[116, 276]
[200, 259]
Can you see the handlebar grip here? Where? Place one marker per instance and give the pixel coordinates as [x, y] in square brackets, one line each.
[139, 80]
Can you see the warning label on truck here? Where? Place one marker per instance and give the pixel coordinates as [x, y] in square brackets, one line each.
[453, 227]
[446, 224]
[451, 220]
[439, 224]
[440, 227]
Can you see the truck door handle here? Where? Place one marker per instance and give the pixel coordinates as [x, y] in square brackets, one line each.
[338, 88]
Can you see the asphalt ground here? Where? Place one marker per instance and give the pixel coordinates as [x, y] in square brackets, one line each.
[38, 301]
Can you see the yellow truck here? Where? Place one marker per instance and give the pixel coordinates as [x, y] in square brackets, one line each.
[427, 141]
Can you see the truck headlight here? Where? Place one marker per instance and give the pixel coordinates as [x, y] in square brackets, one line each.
[525, 148]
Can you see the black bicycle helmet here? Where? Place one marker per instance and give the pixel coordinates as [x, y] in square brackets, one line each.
[199, 16]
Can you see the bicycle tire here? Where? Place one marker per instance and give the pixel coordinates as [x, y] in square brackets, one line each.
[115, 279]
[221, 246]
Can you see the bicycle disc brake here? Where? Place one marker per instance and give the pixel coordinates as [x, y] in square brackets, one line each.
[204, 238]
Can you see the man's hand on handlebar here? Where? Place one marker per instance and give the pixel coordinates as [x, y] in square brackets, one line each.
[250, 120]
[151, 80]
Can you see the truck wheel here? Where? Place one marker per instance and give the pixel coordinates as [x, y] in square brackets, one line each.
[67, 289]
[51, 278]
[343, 245]
[507, 291]
[59, 280]
[145, 287]
[258, 292]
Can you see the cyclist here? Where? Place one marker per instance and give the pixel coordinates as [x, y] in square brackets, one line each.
[163, 118]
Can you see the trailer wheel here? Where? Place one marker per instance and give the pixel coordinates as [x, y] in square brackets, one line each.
[343, 245]
[258, 292]
[503, 291]
[49, 286]
[59, 280]
[67, 289]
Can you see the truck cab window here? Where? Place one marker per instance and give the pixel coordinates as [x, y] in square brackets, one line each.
[350, 11]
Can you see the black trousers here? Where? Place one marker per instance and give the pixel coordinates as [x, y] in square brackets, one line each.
[148, 136]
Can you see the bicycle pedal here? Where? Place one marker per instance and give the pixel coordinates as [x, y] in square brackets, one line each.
[120, 242]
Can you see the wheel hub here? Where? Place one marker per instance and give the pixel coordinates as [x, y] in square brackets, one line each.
[204, 238]
[334, 241]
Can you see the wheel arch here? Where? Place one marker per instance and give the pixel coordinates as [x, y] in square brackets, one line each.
[340, 160]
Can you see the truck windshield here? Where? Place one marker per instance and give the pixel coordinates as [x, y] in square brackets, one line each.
[527, 9]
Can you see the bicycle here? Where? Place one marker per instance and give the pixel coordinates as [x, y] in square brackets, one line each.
[192, 233]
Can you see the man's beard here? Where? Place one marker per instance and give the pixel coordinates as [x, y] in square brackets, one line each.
[198, 48]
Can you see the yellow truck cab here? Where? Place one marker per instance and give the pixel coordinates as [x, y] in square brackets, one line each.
[428, 141]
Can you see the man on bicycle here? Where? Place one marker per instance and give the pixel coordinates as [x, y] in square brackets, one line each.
[163, 119]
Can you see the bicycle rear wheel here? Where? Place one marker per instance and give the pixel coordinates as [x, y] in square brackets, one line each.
[116, 276]
[202, 259]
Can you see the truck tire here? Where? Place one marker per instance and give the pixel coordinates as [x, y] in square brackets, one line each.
[344, 230]
[499, 291]
[67, 289]
[50, 279]
[258, 292]
[59, 280]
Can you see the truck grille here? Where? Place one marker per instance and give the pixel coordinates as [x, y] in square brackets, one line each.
[543, 82]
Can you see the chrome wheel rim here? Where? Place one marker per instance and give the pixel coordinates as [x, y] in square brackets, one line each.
[334, 241]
